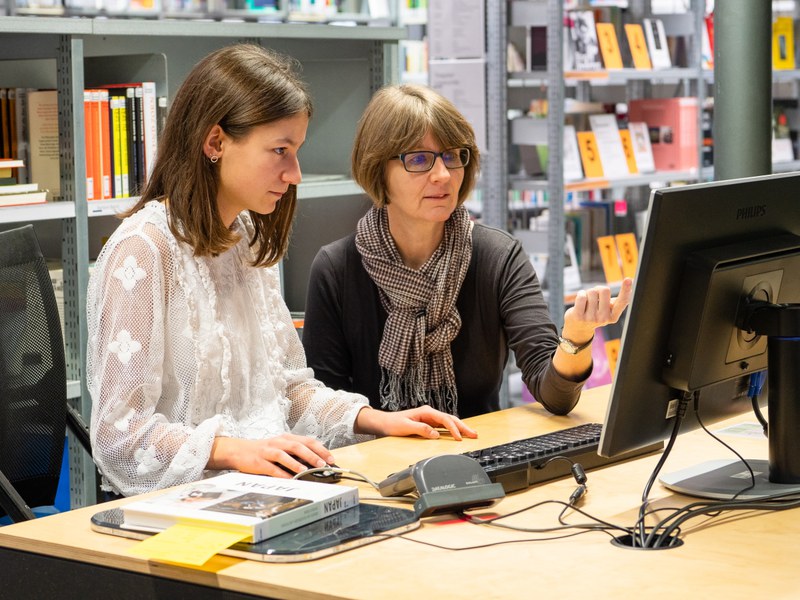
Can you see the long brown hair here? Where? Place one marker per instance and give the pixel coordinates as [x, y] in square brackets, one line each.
[238, 87]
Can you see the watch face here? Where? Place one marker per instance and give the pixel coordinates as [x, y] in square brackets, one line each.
[567, 346]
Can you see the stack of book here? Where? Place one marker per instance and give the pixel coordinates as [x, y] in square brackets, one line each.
[16, 194]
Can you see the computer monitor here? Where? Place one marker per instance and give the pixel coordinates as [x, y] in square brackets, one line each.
[706, 249]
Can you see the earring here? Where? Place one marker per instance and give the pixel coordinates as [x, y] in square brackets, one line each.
[213, 158]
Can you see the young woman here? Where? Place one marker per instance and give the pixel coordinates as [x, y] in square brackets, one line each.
[193, 363]
[421, 306]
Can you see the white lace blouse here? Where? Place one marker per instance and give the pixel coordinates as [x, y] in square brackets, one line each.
[183, 349]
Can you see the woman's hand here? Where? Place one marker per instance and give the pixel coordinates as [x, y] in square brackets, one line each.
[421, 421]
[595, 308]
[264, 457]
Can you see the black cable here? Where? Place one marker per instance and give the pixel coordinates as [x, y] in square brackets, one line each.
[640, 526]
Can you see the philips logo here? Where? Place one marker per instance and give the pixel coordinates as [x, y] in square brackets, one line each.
[751, 212]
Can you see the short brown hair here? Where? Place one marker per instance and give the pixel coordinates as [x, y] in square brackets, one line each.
[398, 117]
[238, 87]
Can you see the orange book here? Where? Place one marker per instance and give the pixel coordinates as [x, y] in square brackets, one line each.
[609, 46]
[88, 129]
[638, 46]
[590, 155]
[104, 144]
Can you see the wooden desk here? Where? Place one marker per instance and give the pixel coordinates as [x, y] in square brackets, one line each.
[752, 555]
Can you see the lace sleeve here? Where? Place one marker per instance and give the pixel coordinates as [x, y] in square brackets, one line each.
[140, 442]
[316, 410]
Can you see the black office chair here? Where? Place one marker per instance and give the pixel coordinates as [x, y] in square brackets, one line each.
[34, 411]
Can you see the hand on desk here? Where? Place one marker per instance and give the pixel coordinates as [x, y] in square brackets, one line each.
[421, 421]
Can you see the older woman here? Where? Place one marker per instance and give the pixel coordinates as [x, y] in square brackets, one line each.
[420, 305]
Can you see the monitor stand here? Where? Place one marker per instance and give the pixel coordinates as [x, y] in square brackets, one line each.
[724, 479]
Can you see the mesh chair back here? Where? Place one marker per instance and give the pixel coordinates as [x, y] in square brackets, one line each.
[33, 394]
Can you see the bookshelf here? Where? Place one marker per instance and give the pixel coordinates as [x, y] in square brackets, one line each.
[343, 66]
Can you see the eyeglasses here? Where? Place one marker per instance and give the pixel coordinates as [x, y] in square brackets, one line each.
[421, 161]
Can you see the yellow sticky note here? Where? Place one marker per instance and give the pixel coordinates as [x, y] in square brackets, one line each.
[609, 47]
[590, 155]
[186, 544]
[610, 258]
[628, 252]
[638, 46]
[627, 147]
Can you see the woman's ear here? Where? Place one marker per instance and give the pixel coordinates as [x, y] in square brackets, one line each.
[212, 147]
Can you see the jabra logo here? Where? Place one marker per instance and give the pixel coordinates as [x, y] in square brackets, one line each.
[751, 212]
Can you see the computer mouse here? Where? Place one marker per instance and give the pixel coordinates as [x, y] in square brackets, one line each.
[324, 476]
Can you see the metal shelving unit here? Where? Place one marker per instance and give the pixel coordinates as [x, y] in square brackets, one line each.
[343, 65]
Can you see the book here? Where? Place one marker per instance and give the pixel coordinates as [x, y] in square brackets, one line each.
[657, 43]
[23, 198]
[18, 188]
[640, 145]
[9, 165]
[783, 43]
[257, 505]
[584, 41]
[638, 46]
[44, 166]
[672, 125]
[609, 46]
[609, 145]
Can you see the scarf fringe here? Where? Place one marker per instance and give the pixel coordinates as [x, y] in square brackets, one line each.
[400, 392]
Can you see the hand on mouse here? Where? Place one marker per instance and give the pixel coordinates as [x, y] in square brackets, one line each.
[279, 456]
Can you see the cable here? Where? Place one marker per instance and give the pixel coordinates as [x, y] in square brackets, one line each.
[754, 391]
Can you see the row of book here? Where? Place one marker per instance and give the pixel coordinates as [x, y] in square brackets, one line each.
[122, 123]
[121, 131]
[658, 134]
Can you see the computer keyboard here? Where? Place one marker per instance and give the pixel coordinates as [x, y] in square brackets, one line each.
[518, 464]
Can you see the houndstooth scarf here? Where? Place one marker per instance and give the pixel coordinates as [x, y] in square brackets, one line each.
[414, 354]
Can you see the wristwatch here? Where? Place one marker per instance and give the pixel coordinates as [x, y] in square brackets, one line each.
[571, 347]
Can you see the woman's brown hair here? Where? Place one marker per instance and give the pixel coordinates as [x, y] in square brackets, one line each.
[398, 117]
[238, 87]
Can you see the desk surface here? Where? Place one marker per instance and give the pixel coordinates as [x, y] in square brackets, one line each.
[743, 555]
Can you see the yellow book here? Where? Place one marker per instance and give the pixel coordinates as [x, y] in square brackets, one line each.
[638, 46]
[609, 46]
[590, 155]
[124, 140]
[116, 150]
[783, 43]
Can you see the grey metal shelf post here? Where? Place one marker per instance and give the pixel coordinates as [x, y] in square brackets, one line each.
[494, 166]
[556, 233]
[75, 252]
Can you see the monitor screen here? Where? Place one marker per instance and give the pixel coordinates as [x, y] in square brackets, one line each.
[705, 250]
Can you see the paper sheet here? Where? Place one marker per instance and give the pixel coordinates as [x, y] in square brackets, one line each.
[186, 544]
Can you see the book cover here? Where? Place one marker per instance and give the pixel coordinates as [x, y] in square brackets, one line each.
[44, 166]
[657, 43]
[609, 45]
[609, 145]
[672, 125]
[638, 46]
[584, 41]
[640, 144]
[783, 43]
[23, 198]
[255, 504]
